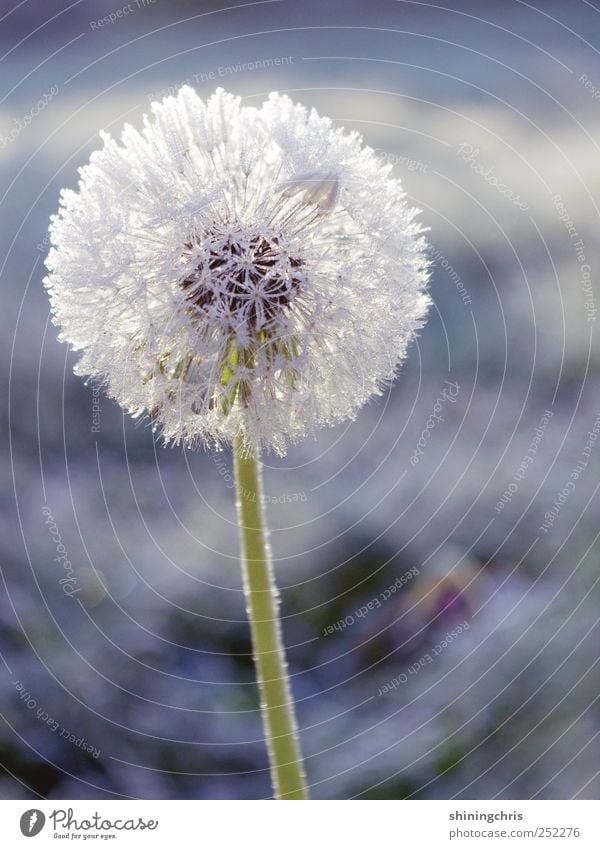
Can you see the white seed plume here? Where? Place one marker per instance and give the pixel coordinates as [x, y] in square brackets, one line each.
[232, 270]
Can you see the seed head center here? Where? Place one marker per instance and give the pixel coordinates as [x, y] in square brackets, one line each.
[244, 278]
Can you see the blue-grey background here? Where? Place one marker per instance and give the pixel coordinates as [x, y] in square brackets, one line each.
[141, 684]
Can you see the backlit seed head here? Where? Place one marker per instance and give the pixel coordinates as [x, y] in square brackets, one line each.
[231, 270]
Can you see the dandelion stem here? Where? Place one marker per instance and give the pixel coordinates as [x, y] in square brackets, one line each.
[262, 603]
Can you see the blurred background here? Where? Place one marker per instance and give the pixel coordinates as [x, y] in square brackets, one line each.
[439, 575]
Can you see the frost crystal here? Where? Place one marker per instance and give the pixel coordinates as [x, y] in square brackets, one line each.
[237, 270]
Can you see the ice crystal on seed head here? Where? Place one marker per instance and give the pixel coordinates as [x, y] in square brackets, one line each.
[234, 270]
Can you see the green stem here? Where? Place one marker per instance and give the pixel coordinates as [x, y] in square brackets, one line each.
[287, 768]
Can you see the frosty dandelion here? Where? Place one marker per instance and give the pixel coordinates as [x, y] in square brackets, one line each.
[240, 276]
[237, 270]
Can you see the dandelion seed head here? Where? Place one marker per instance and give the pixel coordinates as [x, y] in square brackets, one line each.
[236, 270]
